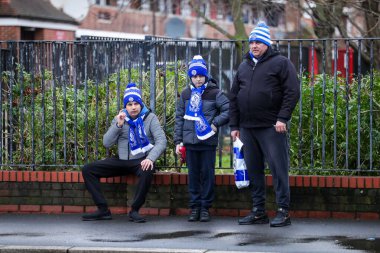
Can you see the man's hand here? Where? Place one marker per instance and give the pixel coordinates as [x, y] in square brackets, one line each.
[146, 164]
[280, 127]
[235, 134]
[120, 118]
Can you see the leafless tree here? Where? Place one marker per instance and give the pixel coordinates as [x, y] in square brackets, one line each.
[328, 17]
[336, 15]
[235, 10]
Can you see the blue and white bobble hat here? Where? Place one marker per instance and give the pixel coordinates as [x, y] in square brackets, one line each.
[197, 67]
[132, 93]
[261, 33]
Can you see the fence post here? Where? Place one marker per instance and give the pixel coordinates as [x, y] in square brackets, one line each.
[152, 83]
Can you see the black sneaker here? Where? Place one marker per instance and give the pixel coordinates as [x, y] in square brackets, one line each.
[282, 218]
[255, 217]
[205, 216]
[136, 217]
[98, 215]
[194, 215]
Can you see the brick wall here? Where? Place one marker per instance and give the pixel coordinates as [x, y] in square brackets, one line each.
[311, 196]
[10, 33]
[51, 34]
[14, 33]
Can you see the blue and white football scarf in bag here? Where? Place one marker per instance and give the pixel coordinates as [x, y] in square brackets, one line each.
[138, 141]
[194, 112]
[240, 169]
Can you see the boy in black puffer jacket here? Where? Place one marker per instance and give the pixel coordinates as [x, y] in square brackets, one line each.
[202, 108]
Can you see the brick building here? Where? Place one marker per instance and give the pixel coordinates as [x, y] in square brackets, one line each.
[34, 20]
[134, 19]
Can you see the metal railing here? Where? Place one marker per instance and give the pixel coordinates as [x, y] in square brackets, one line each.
[58, 98]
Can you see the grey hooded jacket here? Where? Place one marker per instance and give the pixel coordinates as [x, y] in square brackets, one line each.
[215, 108]
[120, 136]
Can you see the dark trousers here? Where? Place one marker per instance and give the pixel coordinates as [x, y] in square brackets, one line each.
[201, 165]
[111, 167]
[266, 145]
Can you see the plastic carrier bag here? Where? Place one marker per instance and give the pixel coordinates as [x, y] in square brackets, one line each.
[240, 169]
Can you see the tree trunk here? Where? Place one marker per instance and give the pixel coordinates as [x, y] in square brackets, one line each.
[324, 28]
[372, 22]
[239, 34]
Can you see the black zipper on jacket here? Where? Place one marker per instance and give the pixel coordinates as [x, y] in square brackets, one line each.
[253, 70]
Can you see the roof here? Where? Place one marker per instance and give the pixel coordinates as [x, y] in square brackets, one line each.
[41, 10]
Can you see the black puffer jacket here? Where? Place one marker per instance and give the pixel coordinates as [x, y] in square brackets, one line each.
[215, 108]
[263, 93]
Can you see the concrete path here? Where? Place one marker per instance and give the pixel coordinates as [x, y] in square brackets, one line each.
[67, 233]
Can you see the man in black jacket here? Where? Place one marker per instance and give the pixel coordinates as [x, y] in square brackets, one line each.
[263, 96]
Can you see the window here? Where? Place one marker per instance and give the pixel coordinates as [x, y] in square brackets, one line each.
[28, 33]
[135, 4]
[255, 15]
[164, 6]
[220, 10]
[106, 2]
[246, 17]
[185, 8]
[273, 14]
[103, 15]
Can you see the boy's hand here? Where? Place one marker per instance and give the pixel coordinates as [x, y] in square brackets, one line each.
[177, 147]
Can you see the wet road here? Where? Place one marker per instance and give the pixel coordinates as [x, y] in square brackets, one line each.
[221, 234]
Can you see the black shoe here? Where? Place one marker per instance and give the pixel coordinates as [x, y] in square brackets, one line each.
[98, 215]
[194, 215]
[255, 217]
[136, 217]
[205, 216]
[282, 218]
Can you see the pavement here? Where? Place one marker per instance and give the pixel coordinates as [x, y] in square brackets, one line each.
[173, 234]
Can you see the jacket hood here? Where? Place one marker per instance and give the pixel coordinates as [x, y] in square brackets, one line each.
[212, 82]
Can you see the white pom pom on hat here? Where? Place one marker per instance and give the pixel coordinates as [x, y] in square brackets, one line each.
[197, 67]
[197, 57]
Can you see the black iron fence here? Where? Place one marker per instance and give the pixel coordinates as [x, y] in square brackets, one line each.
[57, 99]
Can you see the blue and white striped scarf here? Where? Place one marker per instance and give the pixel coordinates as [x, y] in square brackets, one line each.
[138, 141]
[194, 112]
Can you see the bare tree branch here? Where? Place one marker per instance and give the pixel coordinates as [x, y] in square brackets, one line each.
[208, 21]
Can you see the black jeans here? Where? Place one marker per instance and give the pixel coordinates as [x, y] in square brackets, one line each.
[266, 145]
[111, 167]
[201, 164]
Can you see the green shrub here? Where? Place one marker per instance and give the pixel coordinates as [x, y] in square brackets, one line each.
[83, 109]
[339, 98]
